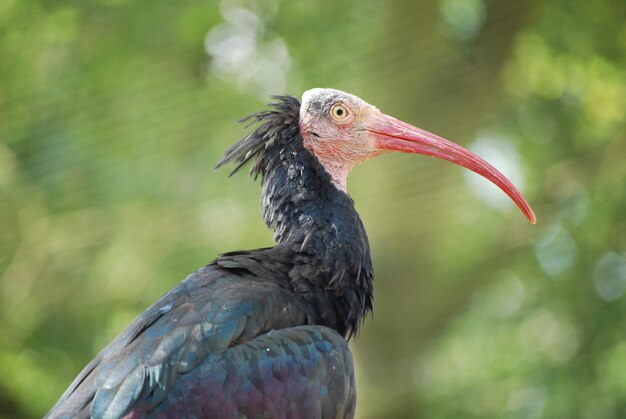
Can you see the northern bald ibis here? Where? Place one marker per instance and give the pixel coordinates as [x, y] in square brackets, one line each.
[263, 333]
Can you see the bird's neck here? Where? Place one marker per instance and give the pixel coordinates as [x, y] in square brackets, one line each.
[301, 204]
[315, 219]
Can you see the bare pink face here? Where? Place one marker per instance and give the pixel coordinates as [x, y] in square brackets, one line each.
[332, 126]
[342, 130]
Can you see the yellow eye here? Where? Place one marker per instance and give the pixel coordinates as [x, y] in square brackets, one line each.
[339, 112]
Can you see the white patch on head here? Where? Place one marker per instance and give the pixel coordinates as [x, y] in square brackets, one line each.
[315, 99]
[315, 92]
[320, 92]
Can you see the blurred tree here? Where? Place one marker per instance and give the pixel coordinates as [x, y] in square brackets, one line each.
[113, 112]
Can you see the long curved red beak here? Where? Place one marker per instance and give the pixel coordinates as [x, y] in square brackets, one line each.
[395, 135]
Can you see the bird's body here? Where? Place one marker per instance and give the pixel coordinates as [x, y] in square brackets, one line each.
[258, 333]
[225, 343]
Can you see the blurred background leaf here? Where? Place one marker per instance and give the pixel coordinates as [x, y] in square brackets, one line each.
[113, 113]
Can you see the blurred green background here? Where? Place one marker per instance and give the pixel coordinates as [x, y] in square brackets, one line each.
[113, 113]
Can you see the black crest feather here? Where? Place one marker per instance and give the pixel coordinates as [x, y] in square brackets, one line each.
[282, 118]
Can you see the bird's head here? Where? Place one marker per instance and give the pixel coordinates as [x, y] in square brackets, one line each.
[342, 130]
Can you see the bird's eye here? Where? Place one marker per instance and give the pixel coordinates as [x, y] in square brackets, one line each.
[339, 112]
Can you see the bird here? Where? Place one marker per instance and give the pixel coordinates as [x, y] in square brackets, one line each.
[264, 332]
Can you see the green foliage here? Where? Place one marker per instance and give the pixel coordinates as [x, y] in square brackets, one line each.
[113, 113]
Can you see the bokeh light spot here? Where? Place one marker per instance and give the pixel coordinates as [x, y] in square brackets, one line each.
[610, 276]
[463, 18]
[241, 53]
[555, 250]
[555, 337]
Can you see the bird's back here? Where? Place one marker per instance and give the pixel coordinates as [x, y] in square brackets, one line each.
[232, 340]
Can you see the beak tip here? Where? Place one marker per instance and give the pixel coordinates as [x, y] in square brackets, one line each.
[532, 218]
